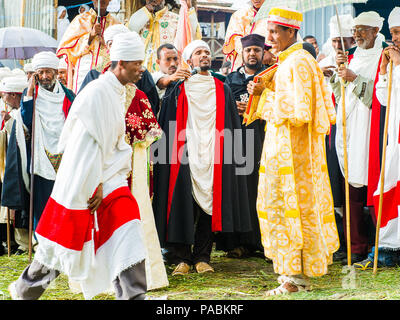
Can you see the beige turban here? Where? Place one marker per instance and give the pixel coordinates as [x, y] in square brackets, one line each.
[127, 47]
[394, 18]
[16, 83]
[192, 46]
[346, 23]
[45, 59]
[370, 18]
[113, 31]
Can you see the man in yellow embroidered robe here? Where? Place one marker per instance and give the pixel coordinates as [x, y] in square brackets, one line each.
[157, 25]
[240, 25]
[83, 44]
[294, 202]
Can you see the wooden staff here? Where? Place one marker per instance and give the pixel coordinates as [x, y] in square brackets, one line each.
[382, 177]
[346, 175]
[32, 176]
[346, 168]
[8, 214]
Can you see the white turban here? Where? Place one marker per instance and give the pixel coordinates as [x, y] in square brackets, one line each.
[45, 59]
[113, 30]
[5, 72]
[14, 83]
[62, 64]
[60, 10]
[127, 47]
[28, 67]
[394, 18]
[18, 72]
[192, 46]
[346, 23]
[370, 18]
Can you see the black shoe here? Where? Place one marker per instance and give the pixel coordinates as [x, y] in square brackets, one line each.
[339, 255]
[355, 257]
[19, 252]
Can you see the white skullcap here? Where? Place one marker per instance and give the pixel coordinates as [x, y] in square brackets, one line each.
[192, 46]
[45, 59]
[394, 18]
[127, 47]
[28, 67]
[113, 30]
[346, 23]
[62, 64]
[16, 83]
[18, 72]
[370, 18]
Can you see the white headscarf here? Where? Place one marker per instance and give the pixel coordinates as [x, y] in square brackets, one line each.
[113, 30]
[18, 72]
[87, 8]
[14, 83]
[369, 18]
[60, 10]
[45, 59]
[127, 47]
[394, 18]
[346, 23]
[192, 46]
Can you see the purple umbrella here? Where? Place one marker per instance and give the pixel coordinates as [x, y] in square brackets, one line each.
[23, 43]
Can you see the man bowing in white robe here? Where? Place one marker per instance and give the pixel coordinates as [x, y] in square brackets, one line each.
[91, 229]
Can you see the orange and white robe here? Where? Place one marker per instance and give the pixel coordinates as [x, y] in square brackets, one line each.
[240, 25]
[80, 56]
[158, 29]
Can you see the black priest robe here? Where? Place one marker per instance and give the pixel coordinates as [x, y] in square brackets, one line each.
[173, 201]
[252, 149]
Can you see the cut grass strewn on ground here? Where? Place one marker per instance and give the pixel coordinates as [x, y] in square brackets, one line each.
[235, 279]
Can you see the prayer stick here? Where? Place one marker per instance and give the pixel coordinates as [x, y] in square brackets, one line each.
[382, 176]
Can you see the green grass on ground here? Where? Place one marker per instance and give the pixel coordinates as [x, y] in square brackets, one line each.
[235, 279]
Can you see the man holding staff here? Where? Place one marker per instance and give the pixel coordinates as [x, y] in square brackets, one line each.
[389, 242]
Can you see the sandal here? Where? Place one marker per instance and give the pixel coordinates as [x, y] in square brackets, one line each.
[364, 265]
[285, 281]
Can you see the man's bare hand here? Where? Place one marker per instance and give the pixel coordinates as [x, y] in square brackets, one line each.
[97, 198]
[5, 116]
[96, 31]
[255, 89]
[241, 106]
[346, 74]
[394, 54]
[341, 57]
[180, 74]
[32, 83]
[328, 71]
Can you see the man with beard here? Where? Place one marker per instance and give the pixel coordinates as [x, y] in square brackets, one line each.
[294, 201]
[364, 122]
[241, 24]
[83, 44]
[389, 244]
[238, 245]
[168, 62]
[199, 184]
[157, 25]
[11, 89]
[51, 101]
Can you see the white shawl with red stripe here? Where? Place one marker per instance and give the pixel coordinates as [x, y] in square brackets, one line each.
[389, 234]
[92, 249]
